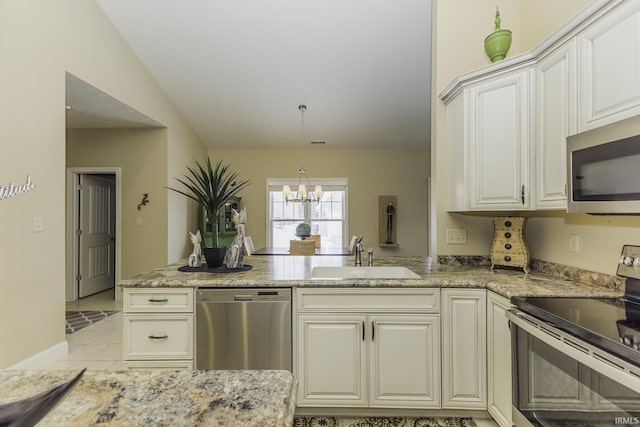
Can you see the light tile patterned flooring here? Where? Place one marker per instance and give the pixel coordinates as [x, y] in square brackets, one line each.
[99, 346]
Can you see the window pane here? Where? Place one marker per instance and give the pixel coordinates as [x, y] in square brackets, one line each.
[282, 232]
[331, 206]
[331, 232]
[283, 210]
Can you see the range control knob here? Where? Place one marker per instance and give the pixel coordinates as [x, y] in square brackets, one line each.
[628, 260]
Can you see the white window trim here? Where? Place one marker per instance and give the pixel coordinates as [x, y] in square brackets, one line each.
[325, 182]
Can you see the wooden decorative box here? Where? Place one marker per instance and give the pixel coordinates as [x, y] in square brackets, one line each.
[509, 247]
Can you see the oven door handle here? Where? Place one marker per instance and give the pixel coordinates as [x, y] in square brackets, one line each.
[608, 365]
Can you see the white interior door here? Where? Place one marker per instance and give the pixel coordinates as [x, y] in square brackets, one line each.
[97, 234]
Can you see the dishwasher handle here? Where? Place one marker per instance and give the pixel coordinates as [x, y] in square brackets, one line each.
[243, 298]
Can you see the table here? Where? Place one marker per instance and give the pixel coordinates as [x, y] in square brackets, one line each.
[285, 251]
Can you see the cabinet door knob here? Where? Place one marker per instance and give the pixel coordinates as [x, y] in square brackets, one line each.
[507, 224]
[507, 246]
[507, 258]
[507, 235]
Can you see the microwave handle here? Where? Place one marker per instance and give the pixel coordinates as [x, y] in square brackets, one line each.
[522, 194]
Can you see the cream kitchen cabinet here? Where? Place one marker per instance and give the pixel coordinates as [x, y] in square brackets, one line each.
[555, 119]
[498, 360]
[507, 123]
[488, 146]
[464, 349]
[158, 328]
[610, 67]
[368, 348]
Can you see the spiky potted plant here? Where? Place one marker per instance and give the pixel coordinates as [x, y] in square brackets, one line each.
[211, 186]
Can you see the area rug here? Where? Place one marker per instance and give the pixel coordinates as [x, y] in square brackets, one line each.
[76, 320]
[321, 421]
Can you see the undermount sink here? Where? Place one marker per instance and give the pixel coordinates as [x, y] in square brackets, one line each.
[329, 272]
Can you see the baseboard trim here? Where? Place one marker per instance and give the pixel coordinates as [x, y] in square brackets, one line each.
[55, 352]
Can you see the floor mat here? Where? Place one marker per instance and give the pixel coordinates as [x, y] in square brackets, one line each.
[321, 421]
[76, 320]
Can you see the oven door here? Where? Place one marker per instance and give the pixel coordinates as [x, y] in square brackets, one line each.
[560, 380]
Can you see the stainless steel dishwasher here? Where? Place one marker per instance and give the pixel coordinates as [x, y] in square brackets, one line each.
[243, 329]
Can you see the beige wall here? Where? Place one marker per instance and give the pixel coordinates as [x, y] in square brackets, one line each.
[548, 16]
[371, 172]
[141, 153]
[39, 41]
[601, 238]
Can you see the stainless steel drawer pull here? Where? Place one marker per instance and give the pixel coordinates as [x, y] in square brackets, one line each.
[158, 300]
[158, 337]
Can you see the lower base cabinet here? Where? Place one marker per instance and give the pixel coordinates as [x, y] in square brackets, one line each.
[464, 349]
[379, 353]
[158, 328]
[499, 360]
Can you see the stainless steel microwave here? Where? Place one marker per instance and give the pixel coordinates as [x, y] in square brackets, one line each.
[603, 167]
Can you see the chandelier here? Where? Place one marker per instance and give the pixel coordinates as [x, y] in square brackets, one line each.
[302, 194]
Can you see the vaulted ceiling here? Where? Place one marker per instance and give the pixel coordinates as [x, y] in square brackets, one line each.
[238, 69]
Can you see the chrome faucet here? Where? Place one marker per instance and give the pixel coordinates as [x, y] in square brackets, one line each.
[370, 258]
[358, 253]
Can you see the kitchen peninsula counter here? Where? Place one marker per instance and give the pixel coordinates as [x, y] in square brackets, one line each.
[161, 398]
[295, 271]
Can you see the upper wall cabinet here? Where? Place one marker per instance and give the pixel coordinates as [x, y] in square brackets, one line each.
[488, 145]
[610, 67]
[555, 119]
[507, 123]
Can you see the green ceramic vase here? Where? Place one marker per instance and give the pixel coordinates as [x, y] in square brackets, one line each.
[497, 44]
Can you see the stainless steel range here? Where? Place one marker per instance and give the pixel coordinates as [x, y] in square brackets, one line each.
[576, 361]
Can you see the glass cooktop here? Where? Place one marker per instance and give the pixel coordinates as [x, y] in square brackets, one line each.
[612, 324]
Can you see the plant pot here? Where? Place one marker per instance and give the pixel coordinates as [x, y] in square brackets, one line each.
[214, 256]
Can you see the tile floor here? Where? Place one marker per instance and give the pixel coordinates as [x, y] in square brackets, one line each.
[99, 346]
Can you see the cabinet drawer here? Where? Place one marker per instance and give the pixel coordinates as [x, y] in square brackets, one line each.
[151, 365]
[366, 300]
[157, 300]
[161, 336]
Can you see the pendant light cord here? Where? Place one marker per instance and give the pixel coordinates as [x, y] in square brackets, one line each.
[302, 109]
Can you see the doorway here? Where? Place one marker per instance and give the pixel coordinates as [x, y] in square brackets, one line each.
[93, 231]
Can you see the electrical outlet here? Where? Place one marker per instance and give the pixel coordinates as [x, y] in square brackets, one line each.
[138, 221]
[456, 236]
[574, 243]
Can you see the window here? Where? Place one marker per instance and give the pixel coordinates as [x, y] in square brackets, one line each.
[328, 217]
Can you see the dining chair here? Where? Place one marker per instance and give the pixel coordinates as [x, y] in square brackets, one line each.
[248, 245]
[352, 244]
[316, 238]
[302, 247]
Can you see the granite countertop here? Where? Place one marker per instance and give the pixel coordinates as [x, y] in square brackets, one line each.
[295, 271]
[161, 398]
